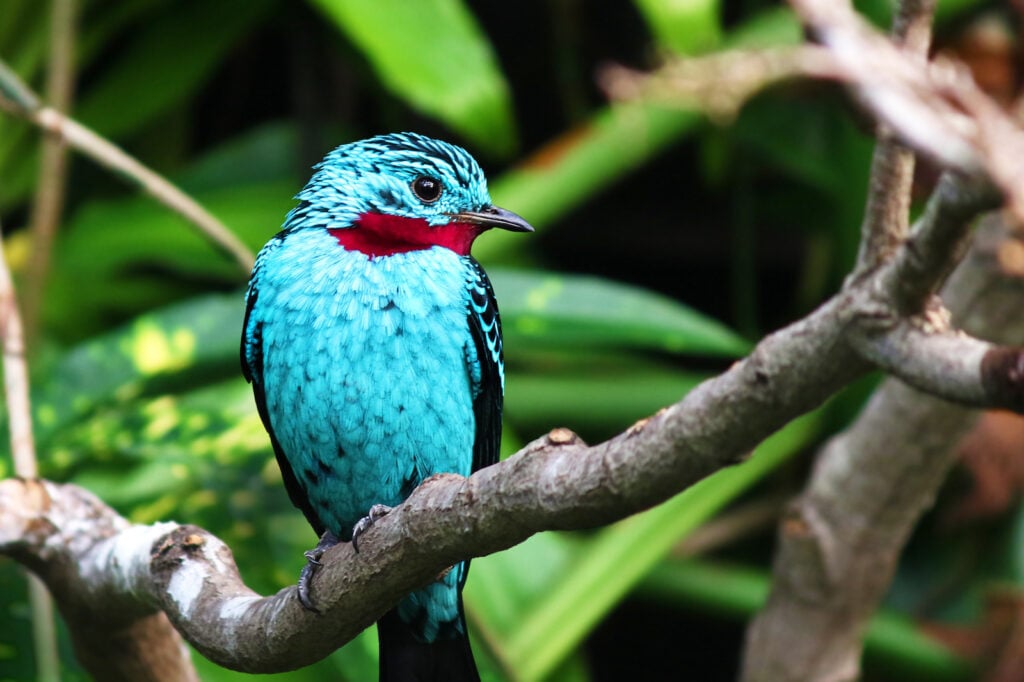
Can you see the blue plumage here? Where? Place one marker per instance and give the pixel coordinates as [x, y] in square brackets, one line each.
[373, 344]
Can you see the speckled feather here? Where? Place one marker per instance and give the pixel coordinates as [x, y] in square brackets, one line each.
[373, 373]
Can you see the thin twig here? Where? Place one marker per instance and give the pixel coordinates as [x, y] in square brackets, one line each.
[937, 242]
[19, 413]
[49, 204]
[719, 84]
[887, 214]
[19, 416]
[18, 99]
[50, 185]
[731, 526]
[935, 107]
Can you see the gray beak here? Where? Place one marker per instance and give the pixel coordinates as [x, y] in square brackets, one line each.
[492, 216]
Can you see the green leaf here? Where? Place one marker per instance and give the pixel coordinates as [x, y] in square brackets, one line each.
[614, 142]
[684, 26]
[598, 403]
[433, 54]
[186, 342]
[569, 310]
[123, 256]
[618, 557]
[769, 28]
[167, 60]
[505, 585]
[264, 154]
[893, 643]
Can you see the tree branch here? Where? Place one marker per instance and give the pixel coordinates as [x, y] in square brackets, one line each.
[887, 212]
[719, 83]
[937, 242]
[554, 483]
[840, 542]
[110, 577]
[935, 107]
[18, 99]
[949, 365]
[87, 555]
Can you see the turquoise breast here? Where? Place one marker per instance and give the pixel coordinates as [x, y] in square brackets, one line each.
[368, 368]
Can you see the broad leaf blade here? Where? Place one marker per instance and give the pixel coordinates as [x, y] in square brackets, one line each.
[569, 310]
[684, 26]
[433, 54]
[167, 62]
[617, 557]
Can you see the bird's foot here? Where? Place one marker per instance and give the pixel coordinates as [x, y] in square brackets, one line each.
[327, 540]
[377, 512]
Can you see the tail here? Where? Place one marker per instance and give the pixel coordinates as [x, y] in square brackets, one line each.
[404, 658]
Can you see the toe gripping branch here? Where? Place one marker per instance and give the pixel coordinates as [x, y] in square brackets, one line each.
[376, 513]
[328, 540]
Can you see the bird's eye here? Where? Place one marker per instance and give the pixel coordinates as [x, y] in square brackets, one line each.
[426, 188]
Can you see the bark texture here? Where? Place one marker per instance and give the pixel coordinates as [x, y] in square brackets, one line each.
[840, 541]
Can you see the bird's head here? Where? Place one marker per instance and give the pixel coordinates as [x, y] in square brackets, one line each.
[398, 193]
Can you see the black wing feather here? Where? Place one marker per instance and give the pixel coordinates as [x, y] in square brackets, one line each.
[485, 327]
[252, 369]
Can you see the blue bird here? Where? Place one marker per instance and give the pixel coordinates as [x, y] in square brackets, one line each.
[373, 345]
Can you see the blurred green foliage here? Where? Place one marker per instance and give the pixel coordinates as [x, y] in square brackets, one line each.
[137, 389]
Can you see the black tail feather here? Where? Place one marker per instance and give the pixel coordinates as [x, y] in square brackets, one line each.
[405, 659]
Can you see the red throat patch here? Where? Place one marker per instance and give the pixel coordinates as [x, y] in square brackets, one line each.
[377, 234]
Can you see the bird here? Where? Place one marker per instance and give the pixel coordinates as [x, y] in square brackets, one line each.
[373, 344]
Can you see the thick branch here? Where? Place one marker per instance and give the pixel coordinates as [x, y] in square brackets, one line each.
[85, 553]
[949, 365]
[841, 540]
[554, 483]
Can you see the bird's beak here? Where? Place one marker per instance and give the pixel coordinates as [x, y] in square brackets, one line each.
[492, 216]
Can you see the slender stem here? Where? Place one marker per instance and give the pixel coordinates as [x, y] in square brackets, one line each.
[19, 99]
[25, 465]
[49, 199]
[887, 214]
[16, 377]
[46, 212]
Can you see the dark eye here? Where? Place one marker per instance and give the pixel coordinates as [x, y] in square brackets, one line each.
[426, 188]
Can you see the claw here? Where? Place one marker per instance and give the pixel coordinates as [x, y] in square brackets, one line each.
[376, 513]
[327, 540]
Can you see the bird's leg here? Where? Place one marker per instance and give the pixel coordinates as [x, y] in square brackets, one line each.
[327, 540]
[376, 513]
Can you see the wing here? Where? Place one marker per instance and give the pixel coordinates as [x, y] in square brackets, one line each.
[489, 393]
[252, 369]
